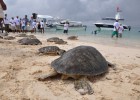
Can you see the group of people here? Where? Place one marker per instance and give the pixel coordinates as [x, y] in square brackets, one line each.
[38, 25]
[22, 24]
[118, 29]
[18, 24]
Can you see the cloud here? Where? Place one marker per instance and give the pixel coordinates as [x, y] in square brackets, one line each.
[11, 2]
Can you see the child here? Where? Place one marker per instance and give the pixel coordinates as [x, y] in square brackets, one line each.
[23, 25]
[34, 26]
[121, 29]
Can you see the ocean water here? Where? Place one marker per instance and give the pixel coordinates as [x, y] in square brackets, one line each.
[129, 38]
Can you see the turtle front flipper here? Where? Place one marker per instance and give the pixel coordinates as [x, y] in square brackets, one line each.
[89, 88]
[83, 87]
[61, 52]
[43, 77]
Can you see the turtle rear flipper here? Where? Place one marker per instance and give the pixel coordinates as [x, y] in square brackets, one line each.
[43, 77]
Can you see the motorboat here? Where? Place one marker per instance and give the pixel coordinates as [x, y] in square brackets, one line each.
[73, 25]
[107, 23]
[47, 19]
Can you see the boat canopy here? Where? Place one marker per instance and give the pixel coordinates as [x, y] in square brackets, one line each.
[110, 18]
[71, 22]
[45, 16]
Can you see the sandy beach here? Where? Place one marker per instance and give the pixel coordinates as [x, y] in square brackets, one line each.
[21, 64]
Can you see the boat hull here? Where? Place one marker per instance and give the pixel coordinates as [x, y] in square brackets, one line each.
[61, 27]
[108, 26]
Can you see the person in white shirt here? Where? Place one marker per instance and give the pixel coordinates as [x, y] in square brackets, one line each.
[66, 26]
[17, 21]
[116, 28]
[42, 26]
[6, 23]
[121, 29]
[13, 24]
[23, 25]
[34, 25]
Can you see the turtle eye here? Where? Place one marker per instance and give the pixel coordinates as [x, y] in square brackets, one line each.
[58, 53]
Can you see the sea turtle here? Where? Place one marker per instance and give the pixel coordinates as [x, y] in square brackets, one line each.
[31, 36]
[60, 41]
[53, 39]
[1, 37]
[29, 41]
[81, 61]
[3, 34]
[21, 35]
[51, 50]
[25, 35]
[8, 37]
[73, 38]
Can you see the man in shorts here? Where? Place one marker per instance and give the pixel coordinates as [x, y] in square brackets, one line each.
[17, 22]
[116, 28]
[6, 23]
[66, 26]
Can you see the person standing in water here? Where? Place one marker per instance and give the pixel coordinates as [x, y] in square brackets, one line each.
[121, 29]
[116, 29]
[66, 26]
[2, 8]
[42, 26]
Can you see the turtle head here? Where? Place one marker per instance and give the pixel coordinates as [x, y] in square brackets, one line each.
[61, 52]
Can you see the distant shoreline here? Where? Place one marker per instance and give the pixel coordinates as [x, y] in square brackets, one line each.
[120, 42]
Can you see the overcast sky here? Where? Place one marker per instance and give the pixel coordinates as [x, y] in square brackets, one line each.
[80, 10]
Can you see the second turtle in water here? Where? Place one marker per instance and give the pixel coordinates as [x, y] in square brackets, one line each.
[79, 62]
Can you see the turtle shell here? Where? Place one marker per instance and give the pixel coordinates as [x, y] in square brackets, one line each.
[53, 39]
[31, 36]
[8, 37]
[21, 35]
[1, 37]
[29, 41]
[49, 49]
[81, 60]
[3, 34]
[73, 37]
[60, 41]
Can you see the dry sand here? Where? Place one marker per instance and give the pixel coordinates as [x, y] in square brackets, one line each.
[20, 65]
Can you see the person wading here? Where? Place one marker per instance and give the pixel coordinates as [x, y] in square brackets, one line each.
[116, 28]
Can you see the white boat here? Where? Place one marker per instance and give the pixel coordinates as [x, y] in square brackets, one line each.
[109, 21]
[73, 25]
[48, 20]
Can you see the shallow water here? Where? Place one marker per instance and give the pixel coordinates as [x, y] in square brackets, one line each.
[129, 39]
